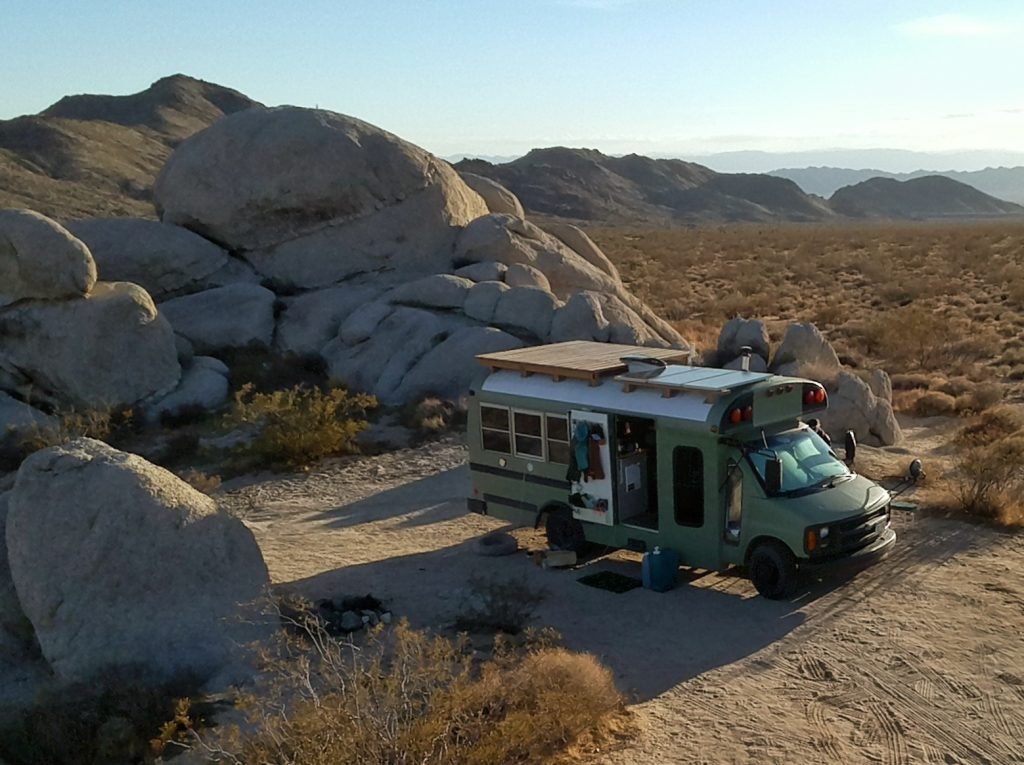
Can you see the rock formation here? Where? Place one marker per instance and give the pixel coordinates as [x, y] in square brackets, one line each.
[861, 405]
[116, 561]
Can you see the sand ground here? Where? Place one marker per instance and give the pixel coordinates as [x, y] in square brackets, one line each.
[919, 659]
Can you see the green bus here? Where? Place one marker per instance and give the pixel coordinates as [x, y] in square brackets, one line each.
[632, 447]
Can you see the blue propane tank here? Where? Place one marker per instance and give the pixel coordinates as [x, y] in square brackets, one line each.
[659, 568]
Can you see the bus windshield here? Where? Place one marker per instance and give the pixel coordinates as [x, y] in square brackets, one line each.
[807, 461]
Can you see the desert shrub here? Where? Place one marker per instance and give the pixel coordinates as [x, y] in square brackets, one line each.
[299, 425]
[101, 424]
[109, 719]
[933, 404]
[200, 481]
[911, 381]
[990, 478]
[406, 696]
[493, 604]
[432, 416]
[266, 372]
[979, 398]
[991, 425]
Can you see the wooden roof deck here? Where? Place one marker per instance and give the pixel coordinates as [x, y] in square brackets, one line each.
[577, 360]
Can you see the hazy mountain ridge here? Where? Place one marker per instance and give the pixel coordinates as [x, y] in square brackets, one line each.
[587, 185]
[930, 196]
[95, 155]
[1005, 183]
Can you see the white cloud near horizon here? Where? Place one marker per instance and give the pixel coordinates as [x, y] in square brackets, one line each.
[953, 25]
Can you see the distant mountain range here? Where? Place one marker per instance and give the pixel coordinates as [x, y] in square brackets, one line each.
[89, 156]
[96, 155]
[585, 184]
[1002, 182]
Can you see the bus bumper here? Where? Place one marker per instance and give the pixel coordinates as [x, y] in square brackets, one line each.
[855, 561]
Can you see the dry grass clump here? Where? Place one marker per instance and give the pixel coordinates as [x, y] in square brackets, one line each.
[498, 605]
[201, 481]
[989, 462]
[931, 403]
[433, 416]
[298, 426]
[407, 697]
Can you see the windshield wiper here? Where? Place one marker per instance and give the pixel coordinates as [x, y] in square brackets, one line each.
[832, 480]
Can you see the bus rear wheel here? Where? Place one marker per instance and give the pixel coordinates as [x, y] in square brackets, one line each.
[772, 569]
[564, 532]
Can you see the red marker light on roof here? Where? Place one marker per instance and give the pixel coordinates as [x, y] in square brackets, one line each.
[748, 413]
[809, 397]
[819, 396]
[735, 416]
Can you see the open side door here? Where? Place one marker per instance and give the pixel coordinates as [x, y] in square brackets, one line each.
[592, 495]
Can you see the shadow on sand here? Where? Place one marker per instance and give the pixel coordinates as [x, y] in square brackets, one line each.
[652, 641]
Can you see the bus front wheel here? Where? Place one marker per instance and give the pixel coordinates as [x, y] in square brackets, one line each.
[772, 569]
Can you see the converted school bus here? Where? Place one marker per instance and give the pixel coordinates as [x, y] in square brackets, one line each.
[631, 447]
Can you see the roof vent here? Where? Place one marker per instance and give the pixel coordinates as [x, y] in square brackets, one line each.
[643, 367]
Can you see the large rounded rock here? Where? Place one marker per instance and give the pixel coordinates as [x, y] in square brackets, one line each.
[312, 197]
[803, 350]
[362, 323]
[852, 406]
[236, 316]
[581, 318]
[17, 417]
[448, 369]
[15, 629]
[106, 350]
[739, 332]
[116, 561]
[578, 241]
[509, 240]
[522, 275]
[497, 198]
[379, 364]
[626, 326]
[528, 309]
[484, 271]
[310, 321]
[434, 291]
[39, 258]
[165, 260]
[202, 388]
[483, 299]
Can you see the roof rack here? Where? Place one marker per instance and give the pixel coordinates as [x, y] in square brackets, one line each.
[578, 359]
[677, 379]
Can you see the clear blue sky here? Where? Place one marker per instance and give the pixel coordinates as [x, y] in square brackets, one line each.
[653, 76]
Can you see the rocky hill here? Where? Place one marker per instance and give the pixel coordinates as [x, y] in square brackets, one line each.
[585, 184]
[94, 155]
[932, 196]
[1006, 183]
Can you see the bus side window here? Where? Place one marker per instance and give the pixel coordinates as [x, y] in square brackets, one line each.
[733, 502]
[688, 480]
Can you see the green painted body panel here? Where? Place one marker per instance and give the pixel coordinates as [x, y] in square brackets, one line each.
[517, 489]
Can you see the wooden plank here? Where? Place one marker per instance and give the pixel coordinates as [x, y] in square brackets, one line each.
[577, 359]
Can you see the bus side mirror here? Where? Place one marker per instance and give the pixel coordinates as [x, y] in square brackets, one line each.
[916, 472]
[850, 444]
[773, 476]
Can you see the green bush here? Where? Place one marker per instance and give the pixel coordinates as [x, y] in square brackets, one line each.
[298, 426]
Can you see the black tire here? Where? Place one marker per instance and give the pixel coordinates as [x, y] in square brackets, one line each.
[495, 544]
[564, 532]
[772, 569]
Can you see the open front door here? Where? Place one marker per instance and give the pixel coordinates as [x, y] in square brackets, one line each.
[591, 495]
[693, 526]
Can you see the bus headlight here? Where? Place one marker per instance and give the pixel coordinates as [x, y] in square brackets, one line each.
[816, 538]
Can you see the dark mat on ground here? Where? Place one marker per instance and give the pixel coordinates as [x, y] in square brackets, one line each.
[611, 581]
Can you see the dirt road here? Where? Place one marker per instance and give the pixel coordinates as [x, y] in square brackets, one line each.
[918, 660]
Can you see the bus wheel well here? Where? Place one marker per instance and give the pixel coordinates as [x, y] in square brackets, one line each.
[549, 509]
[757, 542]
